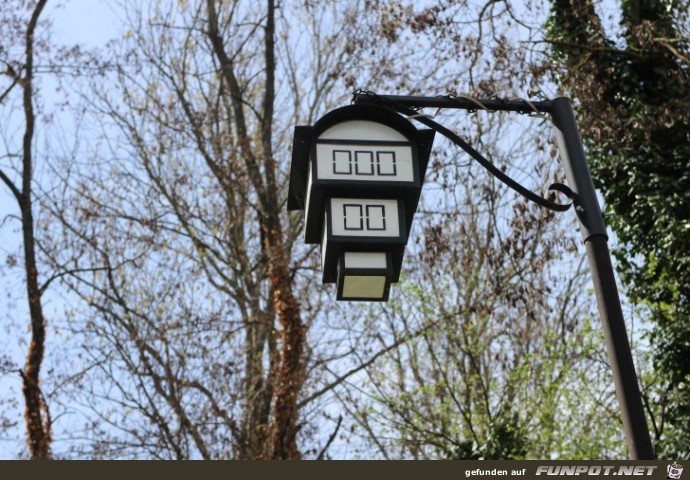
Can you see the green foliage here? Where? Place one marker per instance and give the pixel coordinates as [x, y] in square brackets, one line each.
[506, 439]
[464, 386]
[633, 112]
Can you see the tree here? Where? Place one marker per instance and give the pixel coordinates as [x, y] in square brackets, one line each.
[633, 91]
[19, 72]
[261, 169]
[187, 257]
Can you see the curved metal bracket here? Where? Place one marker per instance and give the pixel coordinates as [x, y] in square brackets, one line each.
[491, 168]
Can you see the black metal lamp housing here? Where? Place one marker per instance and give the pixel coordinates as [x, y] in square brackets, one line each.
[357, 173]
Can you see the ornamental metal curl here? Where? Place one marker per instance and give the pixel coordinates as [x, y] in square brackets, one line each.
[491, 168]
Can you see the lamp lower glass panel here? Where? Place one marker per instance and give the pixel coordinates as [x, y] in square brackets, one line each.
[364, 286]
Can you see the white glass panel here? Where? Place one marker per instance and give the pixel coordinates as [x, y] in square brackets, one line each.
[342, 162]
[354, 217]
[364, 162]
[363, 130]
[376, 217]
[386, 164]
[365, 260]
[364, 217]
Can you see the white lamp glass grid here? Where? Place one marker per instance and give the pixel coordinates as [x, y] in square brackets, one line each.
[343, 162]
[376, 217]
[364, 162]
[353, 217]
[364, 217]
[386, 164]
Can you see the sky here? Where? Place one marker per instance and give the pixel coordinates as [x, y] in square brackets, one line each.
[89, 22]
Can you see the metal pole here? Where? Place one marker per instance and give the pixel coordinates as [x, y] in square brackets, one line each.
[465, 103]
[595, 239]
[593, 234]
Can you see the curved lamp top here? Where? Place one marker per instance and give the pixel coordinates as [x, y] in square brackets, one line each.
[349, 119]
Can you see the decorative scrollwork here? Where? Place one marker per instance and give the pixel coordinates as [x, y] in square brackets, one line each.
[548, 203]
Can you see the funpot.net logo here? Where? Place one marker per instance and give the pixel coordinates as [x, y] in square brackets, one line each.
[674, 471]
[595, 470]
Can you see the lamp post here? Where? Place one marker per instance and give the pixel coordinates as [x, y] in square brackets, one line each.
[358, 265]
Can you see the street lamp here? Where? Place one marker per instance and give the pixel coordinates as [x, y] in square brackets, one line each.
[340, 196]
[357, 173]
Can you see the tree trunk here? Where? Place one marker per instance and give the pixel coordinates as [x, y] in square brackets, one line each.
[38, 428]
[289, 376]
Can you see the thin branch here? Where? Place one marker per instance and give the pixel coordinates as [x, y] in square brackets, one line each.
[363, 366]
[667, 43]
[15, 191]
[9, 89]
[331, 438]
[61, 274]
